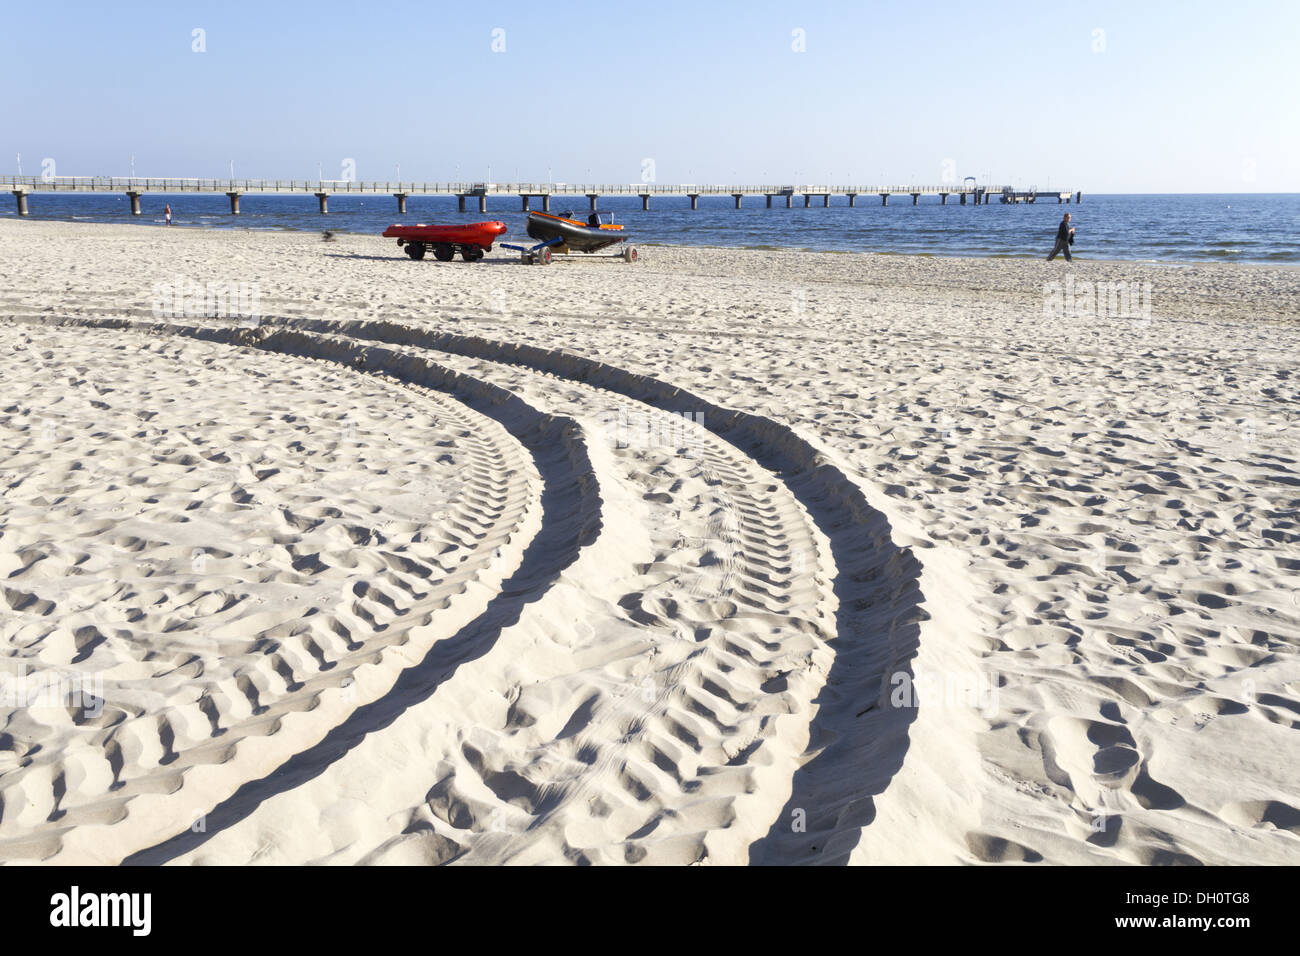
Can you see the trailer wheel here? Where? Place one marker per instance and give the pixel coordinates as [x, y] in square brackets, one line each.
[443, 252]
[629, 254]
[544, 256]
[415, 250]
[471, 253]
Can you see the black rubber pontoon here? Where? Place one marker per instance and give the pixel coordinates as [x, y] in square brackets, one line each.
[574, 235]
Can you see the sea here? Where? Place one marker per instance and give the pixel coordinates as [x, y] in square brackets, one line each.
[1250, 228]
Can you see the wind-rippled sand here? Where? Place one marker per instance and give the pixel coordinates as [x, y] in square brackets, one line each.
[724, 556]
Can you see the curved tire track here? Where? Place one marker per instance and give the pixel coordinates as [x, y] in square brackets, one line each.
[869, 585]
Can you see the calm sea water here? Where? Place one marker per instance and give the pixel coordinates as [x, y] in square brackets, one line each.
[1189, 228]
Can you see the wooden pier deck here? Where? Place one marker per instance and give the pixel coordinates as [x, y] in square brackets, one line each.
[134, 187]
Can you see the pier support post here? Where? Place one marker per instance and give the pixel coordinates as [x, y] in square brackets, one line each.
[21, 196]
[1078, 197]
[695, 200]
[789, 200]
[482, 202]
[460, 202]
[737, 197]
[401, 203]
[853, 200]
[884, 199]
[807, 200]
[826, 200]
[915, 198]
[546, 203]
[963, 199]
[943, 199]
[645, 202]
[324, 200]
[523, 202]
[592, 197]
[135, 202]
[234, 203]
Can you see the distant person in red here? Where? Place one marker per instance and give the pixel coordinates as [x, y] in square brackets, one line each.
[1064, 236]
[167, 212]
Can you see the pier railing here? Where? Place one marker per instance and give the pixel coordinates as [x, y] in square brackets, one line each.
[464, 188]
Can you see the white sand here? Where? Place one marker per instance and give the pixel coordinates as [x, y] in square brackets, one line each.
[359, 581]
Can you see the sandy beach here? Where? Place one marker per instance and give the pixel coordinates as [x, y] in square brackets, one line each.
[311, 553]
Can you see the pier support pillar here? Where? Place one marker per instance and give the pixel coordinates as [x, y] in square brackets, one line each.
[769, 200]
[546, 203]
[884, 199]
[963, 199]
[482, 202]
[853, 200]
[523, 202]
[1078, 197]
[21, 196]
[789, 200]
[695, 200]
[234, 203]
[915, 198]
[943, 199]
[592, 197]
[807, 200]
[401, 203]
[324, 200]
[135, 202]
[826, 200]
[737, 197]
[460, 202]
[645, 202]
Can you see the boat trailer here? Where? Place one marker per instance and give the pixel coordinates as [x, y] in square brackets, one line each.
[540, 254]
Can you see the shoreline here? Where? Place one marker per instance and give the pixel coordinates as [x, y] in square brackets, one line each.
[996, 256]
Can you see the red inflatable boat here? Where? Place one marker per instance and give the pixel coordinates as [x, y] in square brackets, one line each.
[471, 239]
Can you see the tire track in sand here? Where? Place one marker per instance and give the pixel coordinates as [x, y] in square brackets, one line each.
[876, 607]
[707, 723]
[250, 711]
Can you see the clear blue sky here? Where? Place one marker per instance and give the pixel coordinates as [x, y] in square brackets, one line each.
[1187, 96]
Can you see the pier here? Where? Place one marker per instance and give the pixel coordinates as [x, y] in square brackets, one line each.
[135, 187]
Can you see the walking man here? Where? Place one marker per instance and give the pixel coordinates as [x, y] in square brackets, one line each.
[1064, 236]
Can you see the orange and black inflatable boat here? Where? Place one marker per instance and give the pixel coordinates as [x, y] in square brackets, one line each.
[574, 235]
